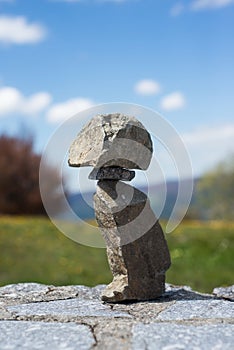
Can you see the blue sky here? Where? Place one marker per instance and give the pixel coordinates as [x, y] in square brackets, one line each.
[176, 57]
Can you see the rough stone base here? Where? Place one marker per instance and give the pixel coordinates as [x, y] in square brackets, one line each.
[136, 248]
[35, 316]
[119, 290]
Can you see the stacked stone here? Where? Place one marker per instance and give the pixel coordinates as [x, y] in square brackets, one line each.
[137, 252]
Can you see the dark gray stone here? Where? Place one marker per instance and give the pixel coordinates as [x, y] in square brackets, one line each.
[112, 140]
[112, 173]
[15, 335]
[136, 248]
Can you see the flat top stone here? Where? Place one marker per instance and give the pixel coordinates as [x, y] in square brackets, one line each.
[112, 140]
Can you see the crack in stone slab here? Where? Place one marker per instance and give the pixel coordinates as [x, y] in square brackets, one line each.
[180, 319]
[69, 308]
[143, 311]
[92, 328]
[5, 314]
[22, 293]
[114, 334]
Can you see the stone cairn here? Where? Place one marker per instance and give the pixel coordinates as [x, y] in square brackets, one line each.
[136, 248]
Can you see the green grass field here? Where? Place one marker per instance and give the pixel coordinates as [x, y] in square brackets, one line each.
[33, 250]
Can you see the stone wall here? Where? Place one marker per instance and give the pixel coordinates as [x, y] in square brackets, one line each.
[35, 316]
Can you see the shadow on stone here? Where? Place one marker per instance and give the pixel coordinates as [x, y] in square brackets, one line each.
[175, 293]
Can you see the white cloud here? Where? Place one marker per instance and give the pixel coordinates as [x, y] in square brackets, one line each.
[147, 87]
[62, 111]
[209, 4]
[17, 30]
[177, 9]
[210, 134]
[36, 103]
[208, 145]
[173, 101]
[10, 99]
[13, 101]
[199, 5]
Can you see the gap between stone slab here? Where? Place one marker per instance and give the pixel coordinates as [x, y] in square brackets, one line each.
[92, 330]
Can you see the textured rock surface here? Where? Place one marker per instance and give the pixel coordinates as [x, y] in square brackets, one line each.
[112, 140]
[136, 248]
[44, 335]
[112, 173]
[66, 309]
[225, 292]
[180, 319]
[171, 336]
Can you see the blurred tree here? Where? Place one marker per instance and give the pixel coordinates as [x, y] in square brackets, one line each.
[19, 177]
[215, 191]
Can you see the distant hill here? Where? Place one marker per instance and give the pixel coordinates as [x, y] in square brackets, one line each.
[82, 203]
[79, 204]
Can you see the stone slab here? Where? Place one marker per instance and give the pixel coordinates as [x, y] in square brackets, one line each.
[180, 319]
[68, 308]
[15, 335]
[32, 292]
[198, 309]
[225, 292]
[167, 336]
[36, 292]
